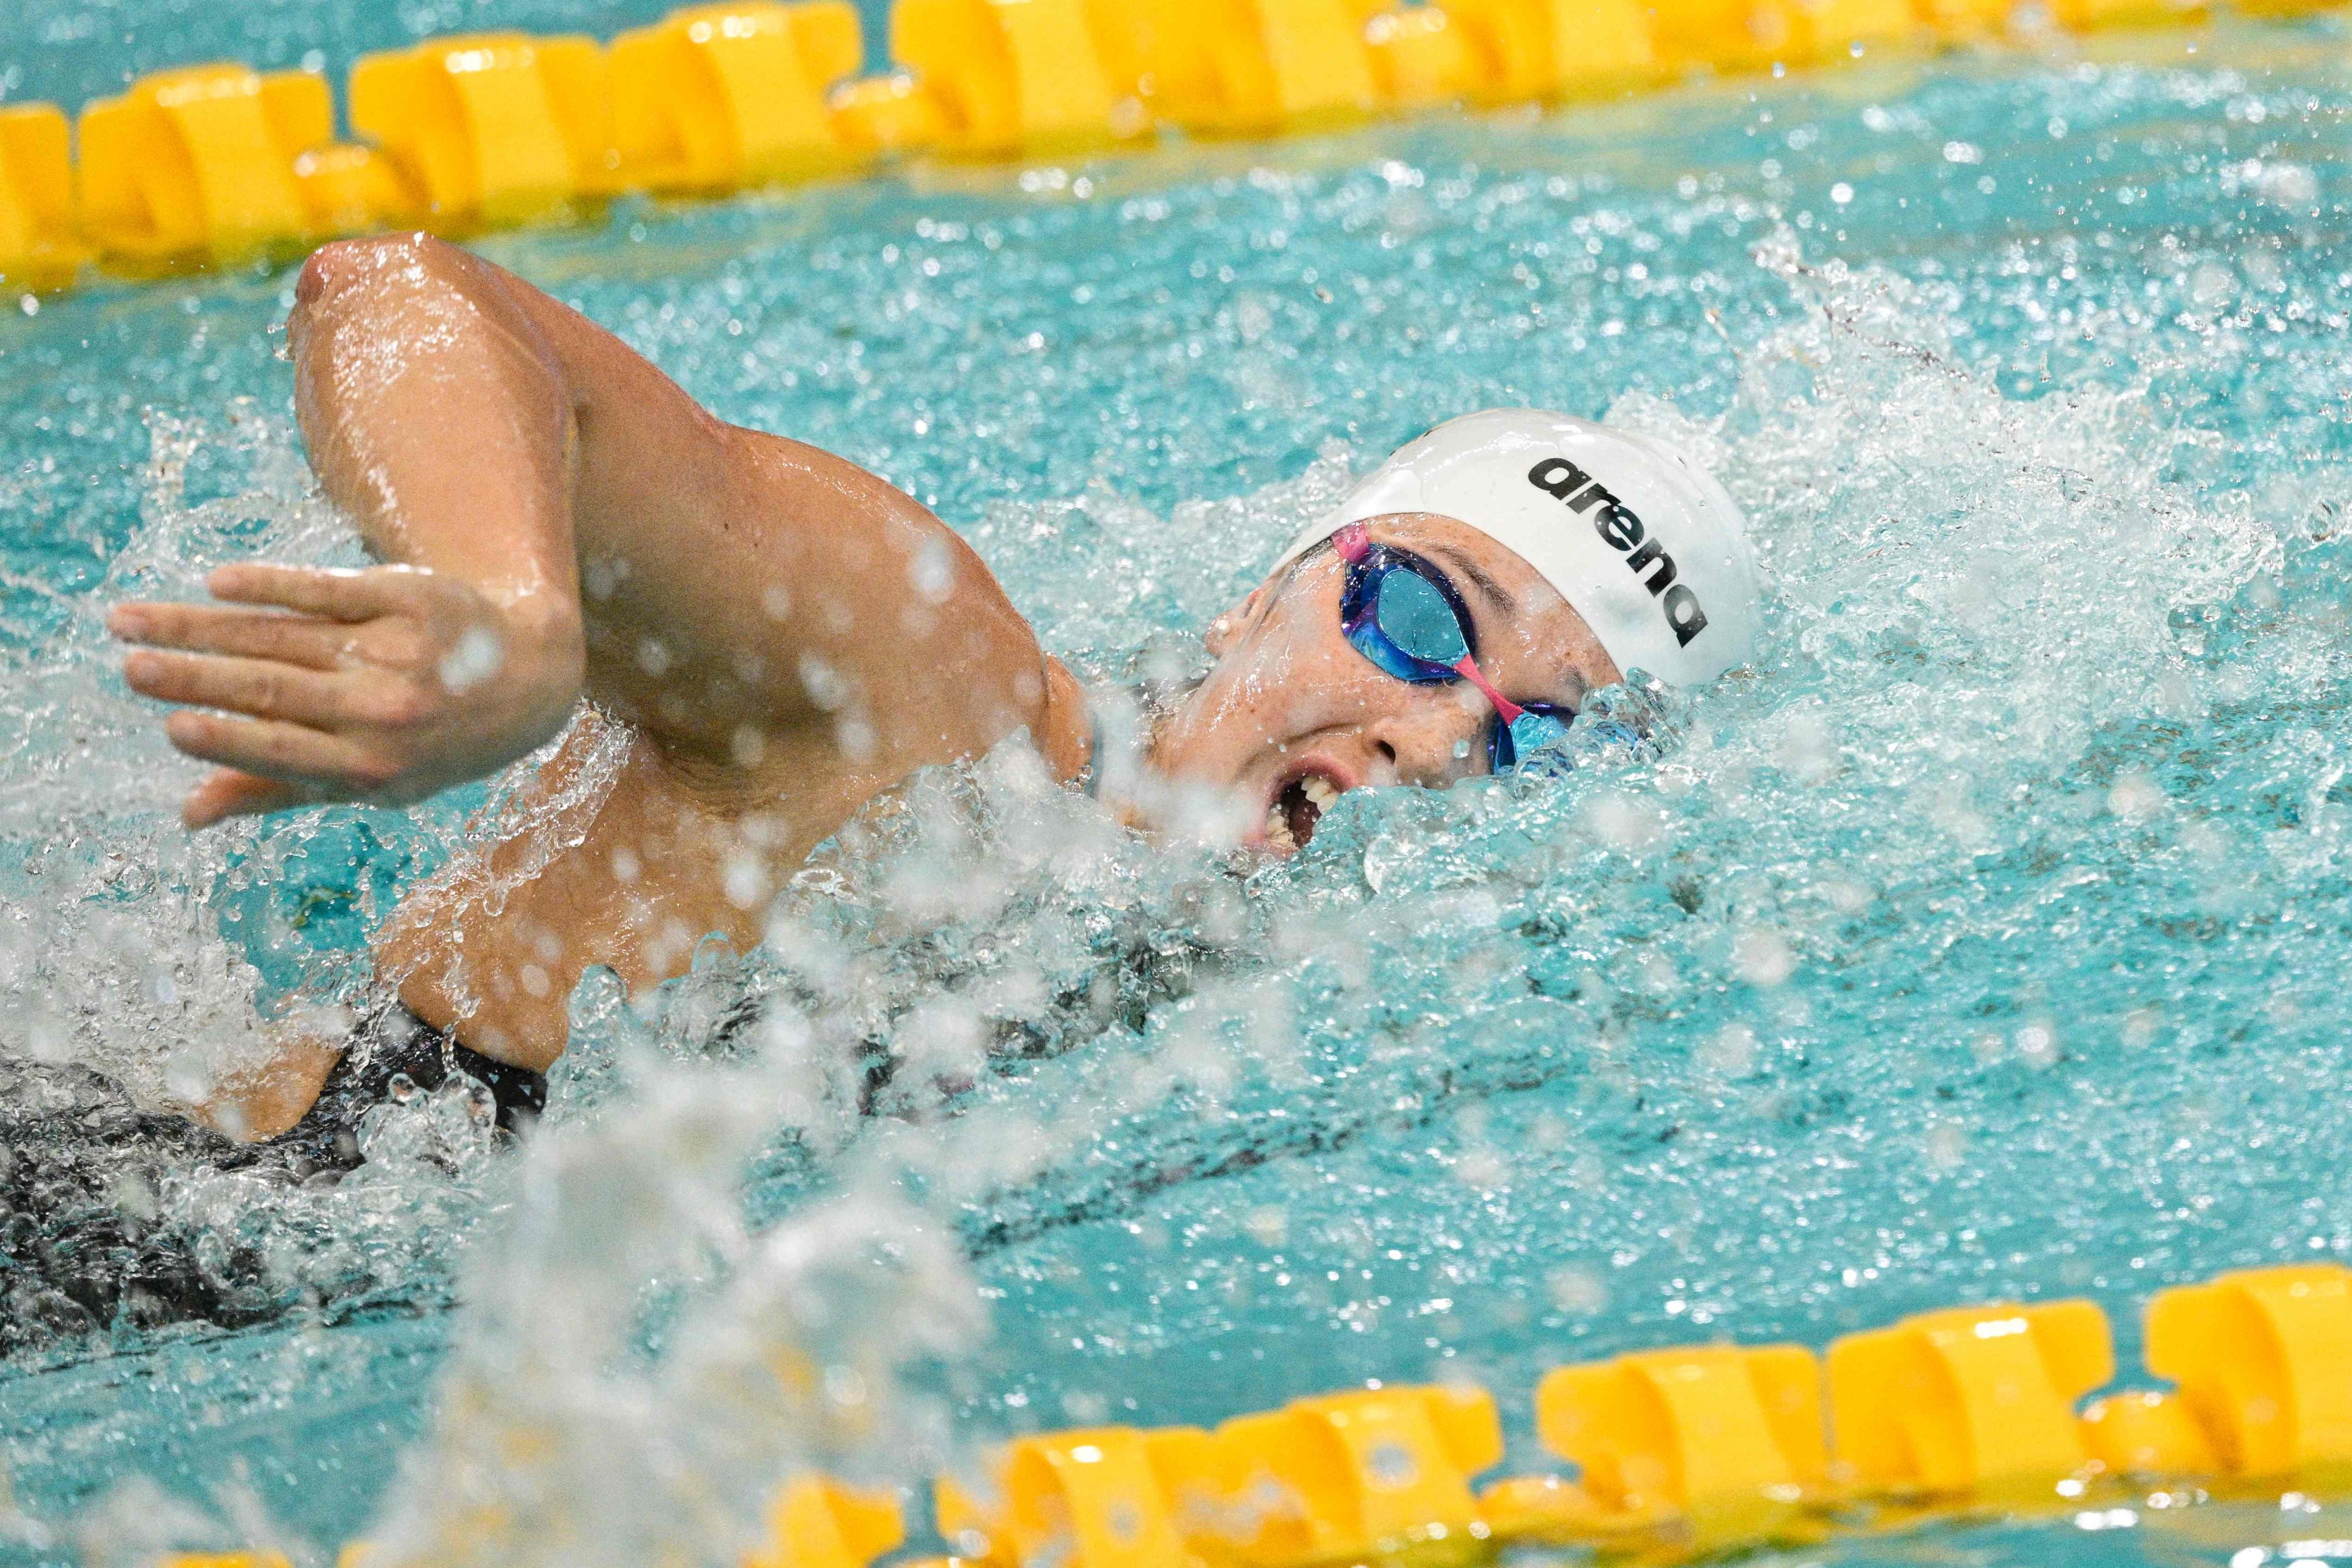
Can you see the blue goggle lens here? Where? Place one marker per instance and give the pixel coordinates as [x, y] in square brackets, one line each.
[1415, 616]
[1524, 737]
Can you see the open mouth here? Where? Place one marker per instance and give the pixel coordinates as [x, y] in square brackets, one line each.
[1297, 806]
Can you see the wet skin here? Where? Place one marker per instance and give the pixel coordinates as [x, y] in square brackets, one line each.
[1288, 697]
[779, 636]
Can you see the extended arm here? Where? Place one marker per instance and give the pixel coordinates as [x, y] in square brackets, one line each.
[557, 517]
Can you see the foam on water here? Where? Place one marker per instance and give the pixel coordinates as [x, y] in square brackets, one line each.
[1984, 939]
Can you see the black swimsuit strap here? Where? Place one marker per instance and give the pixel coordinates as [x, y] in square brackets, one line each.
[393, 1042]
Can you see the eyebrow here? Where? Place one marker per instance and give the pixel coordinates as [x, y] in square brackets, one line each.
[1478, 576]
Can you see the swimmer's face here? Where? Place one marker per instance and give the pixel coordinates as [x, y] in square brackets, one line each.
[1292, 716]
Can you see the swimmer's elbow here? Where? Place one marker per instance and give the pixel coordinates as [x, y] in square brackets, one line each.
[333, 270]
[336, 274]
[361, 289]
[355, 297]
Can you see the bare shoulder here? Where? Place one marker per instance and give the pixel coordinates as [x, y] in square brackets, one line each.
[812, 618]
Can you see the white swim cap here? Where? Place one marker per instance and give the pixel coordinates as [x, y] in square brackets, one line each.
[1646, 546]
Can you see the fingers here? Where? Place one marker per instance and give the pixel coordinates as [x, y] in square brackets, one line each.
[229, 792]
[338, 596]
[259, 687]
[275, 749]
[204, 628]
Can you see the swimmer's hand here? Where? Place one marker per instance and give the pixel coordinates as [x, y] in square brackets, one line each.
[384, 685]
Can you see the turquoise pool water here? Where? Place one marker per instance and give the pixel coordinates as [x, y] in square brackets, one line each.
[1988, 942]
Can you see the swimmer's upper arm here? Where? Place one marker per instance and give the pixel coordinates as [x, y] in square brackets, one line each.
[746, 599]
[799, 602]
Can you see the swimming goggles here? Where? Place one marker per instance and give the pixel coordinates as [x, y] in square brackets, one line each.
[1406, 616]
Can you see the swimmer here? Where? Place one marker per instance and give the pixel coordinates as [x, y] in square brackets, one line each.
[783, 636]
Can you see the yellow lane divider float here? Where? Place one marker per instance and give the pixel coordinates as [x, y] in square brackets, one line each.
[1972, 1400]
[491, 130]
[39, 248]
[728, 98]
[1012, 77]
[1421, 58]
[1729, 1440]
[218, 164]
[1676, 1452]
[818, 1523]
[2264, 1362]
[1259, 66]
[215, 163]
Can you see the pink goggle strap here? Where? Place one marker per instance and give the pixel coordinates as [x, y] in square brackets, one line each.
[1468, 670]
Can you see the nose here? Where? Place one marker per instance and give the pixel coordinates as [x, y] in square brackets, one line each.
[1433, 742]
